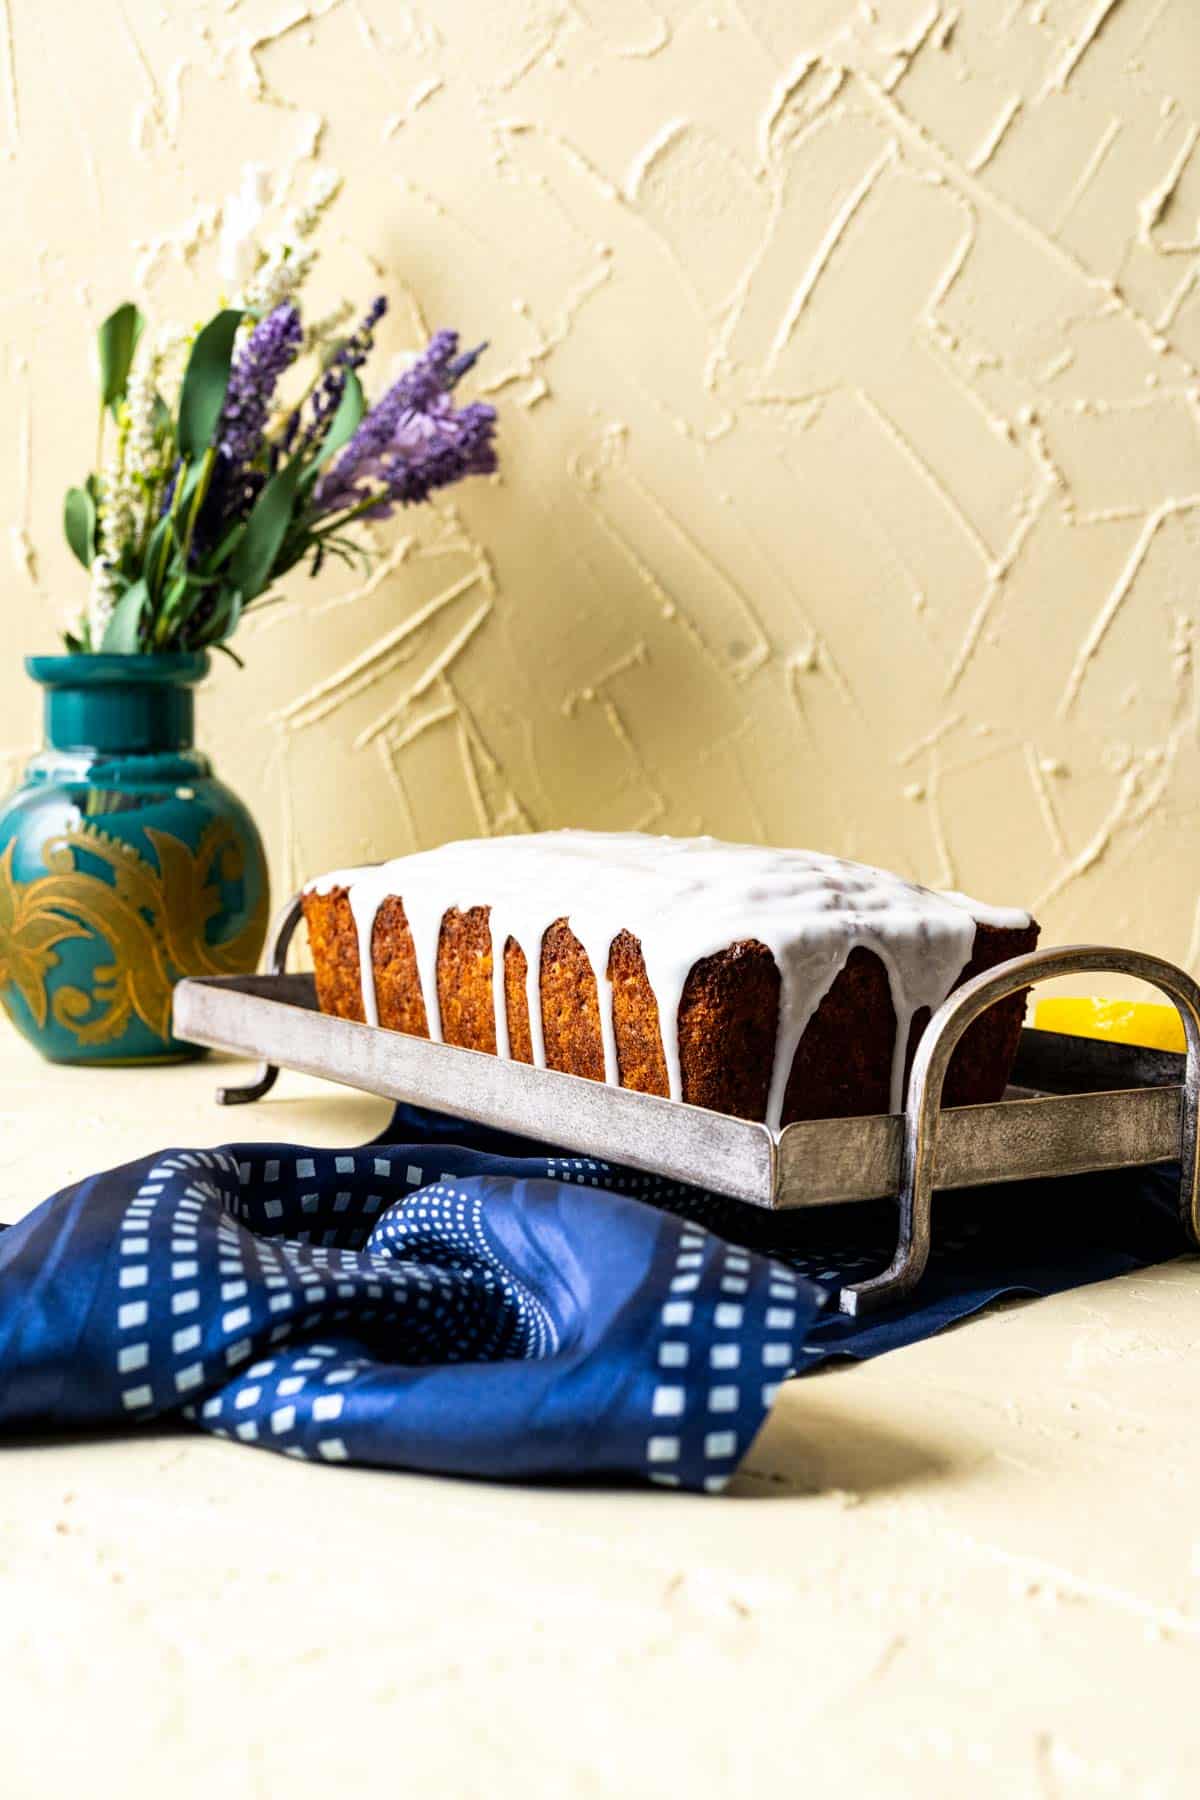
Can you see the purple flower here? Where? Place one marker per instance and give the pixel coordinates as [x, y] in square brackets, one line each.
[266, 354]
[415, 439]
[270, 349]
[459, 366]
[350, 355]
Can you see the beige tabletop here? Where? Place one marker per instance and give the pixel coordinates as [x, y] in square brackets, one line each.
[972, 1567]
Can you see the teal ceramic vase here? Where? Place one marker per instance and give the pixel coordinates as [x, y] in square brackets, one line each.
[124, 863]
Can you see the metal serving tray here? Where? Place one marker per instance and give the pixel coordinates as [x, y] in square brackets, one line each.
[1076, 1105]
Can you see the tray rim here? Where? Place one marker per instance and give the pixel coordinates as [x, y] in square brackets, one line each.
[743, 1159]
[924, 1131]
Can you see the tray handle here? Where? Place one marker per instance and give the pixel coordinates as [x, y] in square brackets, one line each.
[278, 944]
[928, 1077]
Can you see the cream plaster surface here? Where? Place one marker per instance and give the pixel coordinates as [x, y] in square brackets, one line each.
[972, 1567]
[846, 356]
[847, 363]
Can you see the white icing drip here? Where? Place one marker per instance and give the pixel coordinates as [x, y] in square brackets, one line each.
[667, 977]
[424, 912]
[363, 907]
[500, 937]
[597, 942]
[533, 998]
[684, 899]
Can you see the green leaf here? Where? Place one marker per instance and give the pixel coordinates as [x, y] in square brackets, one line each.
[185, 490]
[227, 616]
[205, 380]
[154, 562]
[116, 342]
[122, 631]
[225, 548]
[346, 419]
[79, 524]
[221, 621]
[251, 567]
[175, 606]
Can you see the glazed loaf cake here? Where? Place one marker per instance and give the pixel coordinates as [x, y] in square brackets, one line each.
[772, 984]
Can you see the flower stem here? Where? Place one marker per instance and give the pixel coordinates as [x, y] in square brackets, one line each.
[156, 575]
[198, 499]
[339, 519]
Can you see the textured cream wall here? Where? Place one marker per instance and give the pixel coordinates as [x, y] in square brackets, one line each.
[846, 359]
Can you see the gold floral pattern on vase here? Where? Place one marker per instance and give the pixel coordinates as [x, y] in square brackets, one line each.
[153, 921]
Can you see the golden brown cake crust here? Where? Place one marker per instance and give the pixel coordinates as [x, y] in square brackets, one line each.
[333, 941]
[727, 1016]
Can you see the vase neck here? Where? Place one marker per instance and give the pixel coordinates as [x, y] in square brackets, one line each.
[120, 717]
[119, 705]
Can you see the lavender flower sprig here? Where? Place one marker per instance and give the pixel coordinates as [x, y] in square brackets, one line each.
[413, 441]
[350, 355]
[268, 353]
[206, 504]
[260, 365]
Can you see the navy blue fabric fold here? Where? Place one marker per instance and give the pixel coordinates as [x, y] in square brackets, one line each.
[421, 1305]
[454, 1299]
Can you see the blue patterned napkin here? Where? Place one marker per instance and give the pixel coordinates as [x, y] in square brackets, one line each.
[456, 1300]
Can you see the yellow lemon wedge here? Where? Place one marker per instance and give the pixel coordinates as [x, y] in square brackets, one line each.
[1121, 1021]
